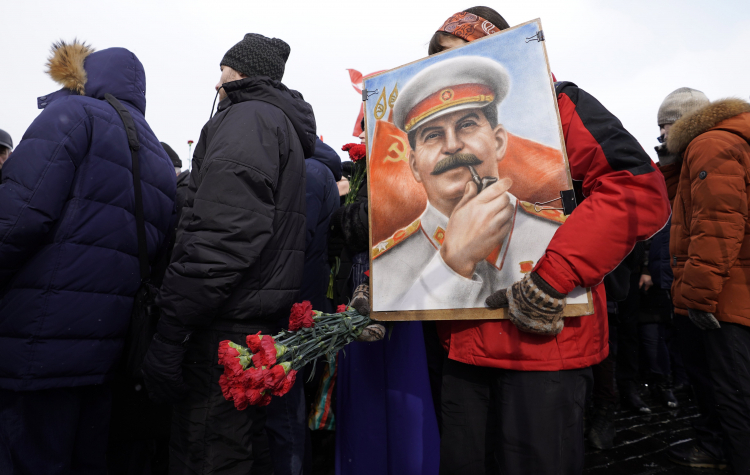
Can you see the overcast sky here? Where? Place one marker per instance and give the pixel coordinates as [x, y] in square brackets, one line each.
[628, 54]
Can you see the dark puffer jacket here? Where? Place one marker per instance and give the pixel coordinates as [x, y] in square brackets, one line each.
[240, 245]
[658, 259]
[323, 171]
[68, 246]
[183, 179]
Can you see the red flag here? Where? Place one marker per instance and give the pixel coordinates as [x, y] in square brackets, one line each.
[356, 78]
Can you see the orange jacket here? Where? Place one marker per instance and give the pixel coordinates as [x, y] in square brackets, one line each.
[710, 234]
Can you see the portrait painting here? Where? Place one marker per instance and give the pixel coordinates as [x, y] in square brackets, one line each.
[467, 177]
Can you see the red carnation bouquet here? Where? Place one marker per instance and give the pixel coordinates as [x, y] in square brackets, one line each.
[358, 154]
[268, 365]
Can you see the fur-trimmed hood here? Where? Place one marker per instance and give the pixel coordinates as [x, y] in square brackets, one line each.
[83, 71]
[702, 120]
[65, 64]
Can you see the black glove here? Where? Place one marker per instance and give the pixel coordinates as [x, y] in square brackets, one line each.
[162, 370]
[534, 305]
[703, 320]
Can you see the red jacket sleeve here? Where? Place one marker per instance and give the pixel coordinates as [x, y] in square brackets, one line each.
[625, 197]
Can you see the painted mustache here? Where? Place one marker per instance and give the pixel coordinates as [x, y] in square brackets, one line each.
[455, 161]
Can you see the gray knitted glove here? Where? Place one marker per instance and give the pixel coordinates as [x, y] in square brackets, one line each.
[361, 299]
[534, 306]
[703, 320]
[361, 303]
[372, 332]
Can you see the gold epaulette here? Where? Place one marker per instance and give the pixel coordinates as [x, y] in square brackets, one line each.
[554, 215]
[396, 238]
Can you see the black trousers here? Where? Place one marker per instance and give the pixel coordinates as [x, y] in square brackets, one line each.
[604, 393]
[54, 431]
[691, 342]
[627, 335]
[728, 353]
[286, 426]
[138, 431]
[209, 435]
[512, 422]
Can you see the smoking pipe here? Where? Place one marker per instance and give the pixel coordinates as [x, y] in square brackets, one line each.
[481, 183]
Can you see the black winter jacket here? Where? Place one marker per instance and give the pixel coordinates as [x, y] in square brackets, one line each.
[240, 245]
[349, 234]
[323, 171]
[183, 180]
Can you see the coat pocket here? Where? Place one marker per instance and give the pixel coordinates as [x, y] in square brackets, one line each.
[678, 261]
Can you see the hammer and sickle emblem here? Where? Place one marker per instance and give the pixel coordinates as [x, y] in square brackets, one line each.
[399, 151]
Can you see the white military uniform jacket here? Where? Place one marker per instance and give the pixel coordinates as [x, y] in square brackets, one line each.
[408, 272]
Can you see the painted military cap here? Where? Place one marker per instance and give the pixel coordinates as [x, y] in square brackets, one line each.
[454, 84]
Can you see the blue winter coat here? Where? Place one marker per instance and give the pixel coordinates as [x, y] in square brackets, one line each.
[68, 246]
[322, 198]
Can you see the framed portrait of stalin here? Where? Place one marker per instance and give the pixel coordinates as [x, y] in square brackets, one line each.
[453, 139]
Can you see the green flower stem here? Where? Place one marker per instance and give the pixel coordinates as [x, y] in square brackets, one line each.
[329, 334]
[356, 182]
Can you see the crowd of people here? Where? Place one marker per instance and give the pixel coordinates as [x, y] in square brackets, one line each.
[90, 196]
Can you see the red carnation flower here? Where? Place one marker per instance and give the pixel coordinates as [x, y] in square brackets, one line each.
[254, 378]
[268, 349]
[301, 316]
[286, 384]
[357, 151]
[226, 352]
[274, 378]
[341, 308]
[226, 389]
[254, 396]
[265, 398]
[259, 359]
[266, 354]
[253, 342]
[239, 397]
[232, 367]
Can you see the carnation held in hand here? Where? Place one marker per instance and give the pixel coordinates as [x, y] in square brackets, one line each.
[357, 151]
[268, 365]
[358, 154]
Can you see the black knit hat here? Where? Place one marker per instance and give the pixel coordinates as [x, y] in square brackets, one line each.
[172, 155]
[257, 55]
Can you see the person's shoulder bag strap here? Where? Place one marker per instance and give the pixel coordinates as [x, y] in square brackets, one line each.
[134, 145]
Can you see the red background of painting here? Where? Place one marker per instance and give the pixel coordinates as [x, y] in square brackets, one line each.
[396, 199]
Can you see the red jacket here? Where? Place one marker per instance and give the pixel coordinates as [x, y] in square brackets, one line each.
[626, 201]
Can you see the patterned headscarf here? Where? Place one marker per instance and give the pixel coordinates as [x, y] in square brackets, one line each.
[468, 26]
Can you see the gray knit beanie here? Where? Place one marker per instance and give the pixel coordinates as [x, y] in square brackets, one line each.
[678, 103]
[257, 55]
